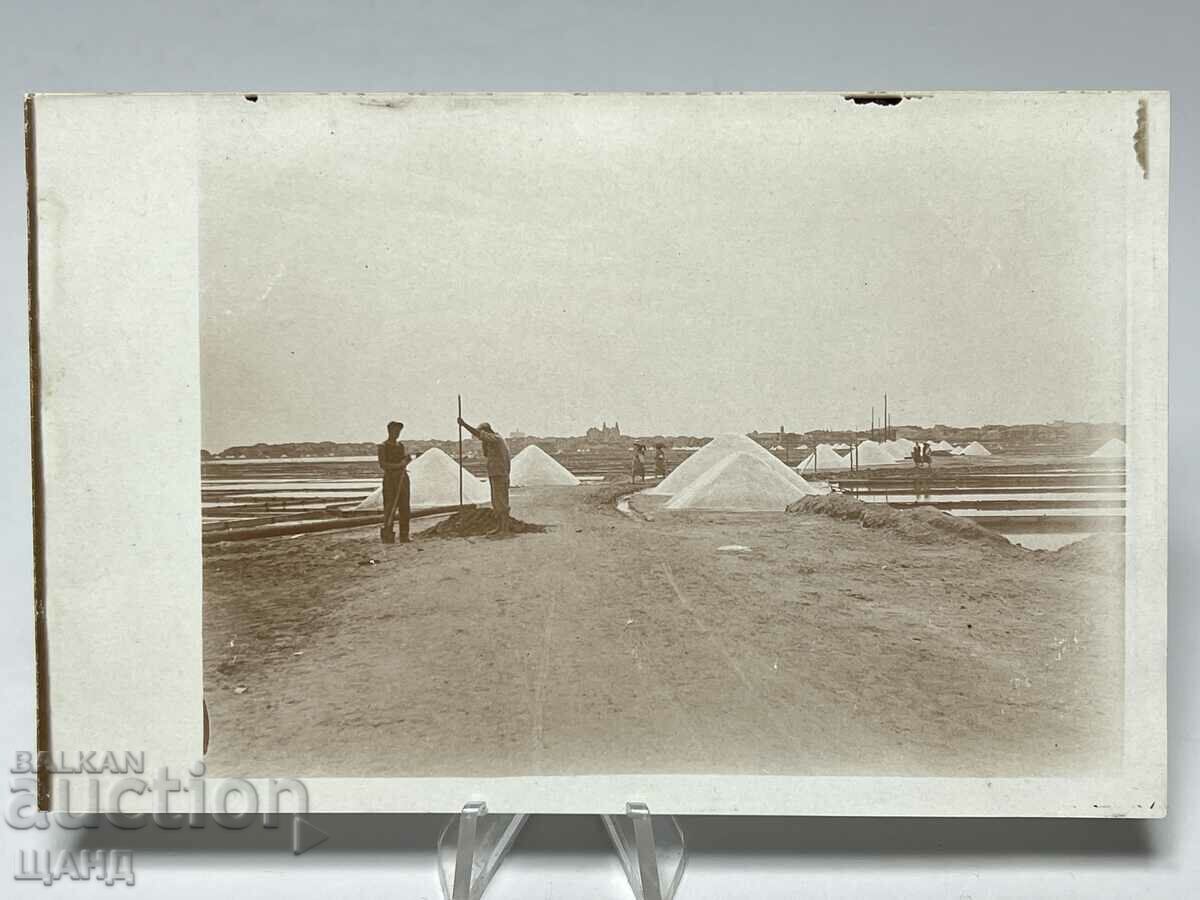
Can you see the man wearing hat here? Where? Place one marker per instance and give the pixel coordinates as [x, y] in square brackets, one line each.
[496, 451]
[393, 460]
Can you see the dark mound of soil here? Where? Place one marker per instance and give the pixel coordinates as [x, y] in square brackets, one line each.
[837, 506]
[605, 494]
[924, 524]
[476, 522]
[1103, 553]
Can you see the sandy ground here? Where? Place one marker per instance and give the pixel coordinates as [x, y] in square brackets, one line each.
[622, 643]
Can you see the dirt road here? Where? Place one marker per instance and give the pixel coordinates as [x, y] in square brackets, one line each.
[616, 644]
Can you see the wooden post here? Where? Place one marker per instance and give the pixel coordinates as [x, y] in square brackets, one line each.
[460, 468]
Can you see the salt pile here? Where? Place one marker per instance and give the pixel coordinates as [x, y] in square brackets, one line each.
[901, 448]
[715, 451]
[740, 482]
[975, 449]
[870, 453]
[890, 448]
[433, 481]
[942, 447]
[824, 458]
[1114, 449]
[533, 466]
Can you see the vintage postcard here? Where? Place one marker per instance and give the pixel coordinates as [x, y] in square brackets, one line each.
[746, 453]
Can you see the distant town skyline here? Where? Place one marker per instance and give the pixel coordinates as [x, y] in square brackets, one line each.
[584, 435]
[694, 266]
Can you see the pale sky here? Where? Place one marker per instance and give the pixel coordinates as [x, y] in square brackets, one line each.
[685, 264]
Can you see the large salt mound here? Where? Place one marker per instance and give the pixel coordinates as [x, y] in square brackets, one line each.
[870, 453]
[899, 449]
[890, 448]
[712, 453]
[824, 458]
[433, 481]
[533, 466]
[975, 449]
[741, 482]
[1114, 449]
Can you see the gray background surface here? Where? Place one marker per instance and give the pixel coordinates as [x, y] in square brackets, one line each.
[248, 46]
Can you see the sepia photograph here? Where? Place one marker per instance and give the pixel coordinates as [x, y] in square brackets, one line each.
[602, 450]
[720, 434]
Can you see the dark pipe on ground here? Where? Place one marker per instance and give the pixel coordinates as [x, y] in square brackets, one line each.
[284, 529]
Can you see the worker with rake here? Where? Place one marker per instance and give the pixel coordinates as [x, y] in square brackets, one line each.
[496, 451]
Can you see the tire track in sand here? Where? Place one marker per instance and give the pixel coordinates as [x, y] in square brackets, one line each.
[754, 691]
[538, 725]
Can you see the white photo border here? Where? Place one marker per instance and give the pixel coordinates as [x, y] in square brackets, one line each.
[115, 334]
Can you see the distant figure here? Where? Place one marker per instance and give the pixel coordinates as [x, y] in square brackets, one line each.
[639, 462]
[660, 461]
[927, 452]
[917, 455]
[393, 460]
[496, 451]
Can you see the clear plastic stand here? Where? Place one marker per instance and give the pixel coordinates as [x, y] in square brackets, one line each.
[473, 844]
[469, 855]
[651, 849]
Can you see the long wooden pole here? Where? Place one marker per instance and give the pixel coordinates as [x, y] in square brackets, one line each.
[460, 468]
[287, 528]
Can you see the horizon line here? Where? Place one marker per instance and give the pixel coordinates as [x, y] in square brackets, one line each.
[1062, 422]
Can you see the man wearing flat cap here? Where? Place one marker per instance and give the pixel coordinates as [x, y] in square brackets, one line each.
[496, 451]
[393, 460]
